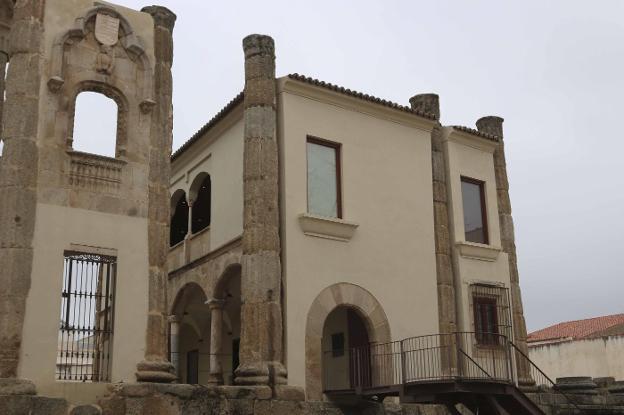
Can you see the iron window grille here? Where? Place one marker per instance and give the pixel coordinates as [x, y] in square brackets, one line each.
[85, 334]
[491, 313]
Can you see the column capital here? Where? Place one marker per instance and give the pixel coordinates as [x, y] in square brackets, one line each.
[215, 303]
[174, 318]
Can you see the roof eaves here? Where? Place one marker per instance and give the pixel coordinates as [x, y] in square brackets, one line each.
[476, 132]
[360, 95]
[218, 117]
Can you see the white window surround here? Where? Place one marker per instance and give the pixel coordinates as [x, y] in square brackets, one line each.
[328, 228]
[478, 251]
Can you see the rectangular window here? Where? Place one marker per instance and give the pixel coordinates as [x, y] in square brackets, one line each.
[338, 344]
[486, 320]
[475, 215]
[324, 178]
[85, 335]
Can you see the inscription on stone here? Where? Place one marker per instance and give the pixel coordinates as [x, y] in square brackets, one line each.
[106, 29]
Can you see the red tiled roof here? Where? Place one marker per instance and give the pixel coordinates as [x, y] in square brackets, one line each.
[578, 329]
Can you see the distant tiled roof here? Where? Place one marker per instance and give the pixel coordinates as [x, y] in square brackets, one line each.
[360, 95]
[220, 115]
[476, 132]
[578, 329]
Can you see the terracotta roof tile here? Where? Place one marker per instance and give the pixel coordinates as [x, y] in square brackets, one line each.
[360, 95]
[578, 329]
[476, 132]
[218, 117]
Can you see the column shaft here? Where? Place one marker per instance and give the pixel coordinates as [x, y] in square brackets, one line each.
[156, 367]
[19, 176]
[261, 310]
[216, 341]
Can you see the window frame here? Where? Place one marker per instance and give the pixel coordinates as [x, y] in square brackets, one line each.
[484, 218]
[485, 338]
[337, 147]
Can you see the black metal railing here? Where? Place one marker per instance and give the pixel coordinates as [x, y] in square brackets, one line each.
[542, 381]
[438, 357]
[85, 334]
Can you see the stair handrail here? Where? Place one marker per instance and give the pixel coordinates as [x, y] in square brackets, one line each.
[553, 385]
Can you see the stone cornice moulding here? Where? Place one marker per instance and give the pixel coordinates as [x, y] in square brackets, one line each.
[469, 140]
[477, 251]
[347, 102]
[328, 228]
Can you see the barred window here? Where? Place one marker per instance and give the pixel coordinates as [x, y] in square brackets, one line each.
[491, 313]
[87, 318]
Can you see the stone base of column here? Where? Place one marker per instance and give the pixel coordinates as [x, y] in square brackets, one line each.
[215, 379]
[14, 386]
[155, 371]
[261, 373]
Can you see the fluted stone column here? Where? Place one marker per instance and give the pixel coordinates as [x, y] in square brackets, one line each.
[216, 341]
[447, 314]
[174, 343]
[494, 126]
[156, 367]
[18, 176]
[261, 310]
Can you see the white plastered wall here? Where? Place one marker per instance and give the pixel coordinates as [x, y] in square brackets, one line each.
[220, 154]
[58, 229]
[600, 357]
[387, 190]
[472, 157]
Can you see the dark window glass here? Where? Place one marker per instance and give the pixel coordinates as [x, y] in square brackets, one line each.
[324, 178]
[179, 222]
[338, 344]
[475, 222]
[201, 207]
[485, 320]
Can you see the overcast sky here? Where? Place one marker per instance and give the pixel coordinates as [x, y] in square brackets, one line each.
[553, 69]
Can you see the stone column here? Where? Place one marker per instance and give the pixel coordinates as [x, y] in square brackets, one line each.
[189, 233]
[174, 343]
[19, 176]
[156, 367]
[447, 314]
[216, 340]
[494, 126]
[261, 310]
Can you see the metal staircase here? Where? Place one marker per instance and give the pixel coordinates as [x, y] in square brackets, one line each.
[477, 370]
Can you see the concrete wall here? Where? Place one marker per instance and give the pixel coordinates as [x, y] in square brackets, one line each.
[600, 357]
[387, 190]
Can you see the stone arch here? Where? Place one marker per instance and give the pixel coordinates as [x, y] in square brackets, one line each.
[332, 297]
[230, 270]
[182, 296]
[109, 91]
[200, 197]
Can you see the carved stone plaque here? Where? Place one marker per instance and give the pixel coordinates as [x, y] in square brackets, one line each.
[106, 29]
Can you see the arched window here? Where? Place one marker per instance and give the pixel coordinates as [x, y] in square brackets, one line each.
[95, 124]
[200, 218]
[179, 218]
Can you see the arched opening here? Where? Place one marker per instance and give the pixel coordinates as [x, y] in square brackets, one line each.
[190, 339]
[95, 124]
[179, 218]
[200, 215]
[229, 290]
[345, 344]
[320, 326]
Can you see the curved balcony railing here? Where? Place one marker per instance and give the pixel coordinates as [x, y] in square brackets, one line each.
[465, 356]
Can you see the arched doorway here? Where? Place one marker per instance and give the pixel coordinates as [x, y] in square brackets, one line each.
[346, 357]
[225, 335]
[190, 335]
[340, 295]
